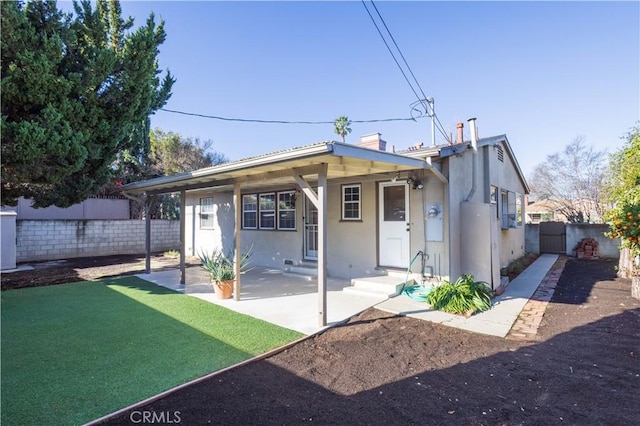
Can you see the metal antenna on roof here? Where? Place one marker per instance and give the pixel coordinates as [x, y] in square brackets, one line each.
[432, 114]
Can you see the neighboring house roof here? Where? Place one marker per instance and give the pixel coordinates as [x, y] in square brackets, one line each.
[543, 206]
[344, 160]
[447, 150]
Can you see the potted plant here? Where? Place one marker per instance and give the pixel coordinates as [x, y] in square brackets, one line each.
[222, 271]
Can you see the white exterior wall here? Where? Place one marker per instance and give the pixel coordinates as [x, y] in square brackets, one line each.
[40, 240]
[352, 245]
[506, 245]
[505, 176]
[459, 186]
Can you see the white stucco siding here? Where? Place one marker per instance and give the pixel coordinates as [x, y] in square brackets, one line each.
[504, 175]
[352, 245]
[507, 244]
[220, 236]
[435, 246]
[459, 172]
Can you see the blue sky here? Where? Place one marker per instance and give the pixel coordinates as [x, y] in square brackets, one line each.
[541, 72]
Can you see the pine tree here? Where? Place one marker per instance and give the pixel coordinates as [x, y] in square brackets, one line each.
[76, 93]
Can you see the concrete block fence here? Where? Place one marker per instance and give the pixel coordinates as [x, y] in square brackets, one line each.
[576, 232]
[42, 240]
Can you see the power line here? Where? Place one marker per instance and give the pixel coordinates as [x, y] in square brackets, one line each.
[251, 120]
[422, 100]
[390, 51]
[424, 97]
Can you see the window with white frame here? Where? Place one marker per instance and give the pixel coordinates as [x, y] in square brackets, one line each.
[267, 213]
[206, 213]
[351, 202]
[250, 211]
[287, 210]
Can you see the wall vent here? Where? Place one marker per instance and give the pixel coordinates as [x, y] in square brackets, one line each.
[500, 154]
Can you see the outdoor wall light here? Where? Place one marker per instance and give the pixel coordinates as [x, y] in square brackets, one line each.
[417, 184]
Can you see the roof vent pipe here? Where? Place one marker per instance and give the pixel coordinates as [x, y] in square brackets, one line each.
[460, 132]
[474, 164]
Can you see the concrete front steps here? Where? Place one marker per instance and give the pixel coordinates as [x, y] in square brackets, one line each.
[305, 271]
[389, 285]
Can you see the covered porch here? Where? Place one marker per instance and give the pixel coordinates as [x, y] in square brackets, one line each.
[309, 169]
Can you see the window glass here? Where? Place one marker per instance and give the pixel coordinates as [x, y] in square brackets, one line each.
[250, 211]
[206, 213]
[394, 206]
[267, 212]
[351, 202]
[287, 210]
[519, 209]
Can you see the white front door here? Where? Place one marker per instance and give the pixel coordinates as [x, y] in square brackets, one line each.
[393, 214]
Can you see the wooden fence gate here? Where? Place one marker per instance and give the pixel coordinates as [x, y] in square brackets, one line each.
[553, 237]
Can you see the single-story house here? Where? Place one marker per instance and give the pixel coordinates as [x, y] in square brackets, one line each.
[356, 210]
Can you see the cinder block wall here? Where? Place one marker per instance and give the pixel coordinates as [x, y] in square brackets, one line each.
[576, 232]
[606, 246]
[41, 240]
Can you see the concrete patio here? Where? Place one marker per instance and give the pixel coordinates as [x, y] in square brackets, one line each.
[292, 302]
[270, 295]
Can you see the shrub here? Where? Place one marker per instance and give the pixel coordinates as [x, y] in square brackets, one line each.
[516, 267]
[624, 222]
[462, 297]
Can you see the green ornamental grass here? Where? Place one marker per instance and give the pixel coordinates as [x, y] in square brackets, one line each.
[75, 352]
[461, 297]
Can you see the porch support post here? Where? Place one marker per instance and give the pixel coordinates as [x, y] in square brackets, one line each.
[147, 233]
[237, 205]
[183, 224]
[322, 245]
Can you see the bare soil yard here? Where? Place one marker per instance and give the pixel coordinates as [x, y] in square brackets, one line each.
[582, 368]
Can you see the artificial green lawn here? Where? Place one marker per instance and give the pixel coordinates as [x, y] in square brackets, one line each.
[74, 352]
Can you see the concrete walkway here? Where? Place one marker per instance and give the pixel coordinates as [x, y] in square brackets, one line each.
[495, 322]
[292, 302]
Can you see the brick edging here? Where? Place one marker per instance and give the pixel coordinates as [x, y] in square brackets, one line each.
[526, 325]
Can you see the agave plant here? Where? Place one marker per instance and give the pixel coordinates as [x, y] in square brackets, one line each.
[221, 267]
[461, 297]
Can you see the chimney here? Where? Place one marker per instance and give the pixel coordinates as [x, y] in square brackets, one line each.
[372, 141]
[460, 132]
[474, 132]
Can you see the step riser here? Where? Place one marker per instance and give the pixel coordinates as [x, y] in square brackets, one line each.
[361, 292]
[301, 270]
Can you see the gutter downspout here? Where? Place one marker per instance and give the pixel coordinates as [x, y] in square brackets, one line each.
[474, 166]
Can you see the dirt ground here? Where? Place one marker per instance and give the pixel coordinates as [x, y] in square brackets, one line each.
[379, 369]
[85, 269]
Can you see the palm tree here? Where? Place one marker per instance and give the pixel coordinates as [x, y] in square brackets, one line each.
[341, 126]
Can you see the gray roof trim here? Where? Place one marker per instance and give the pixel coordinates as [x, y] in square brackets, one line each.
[444, 151]
[274, 157]
[488, 141]
[234, 169]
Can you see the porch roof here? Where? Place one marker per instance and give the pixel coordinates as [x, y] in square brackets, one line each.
[281, 167]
